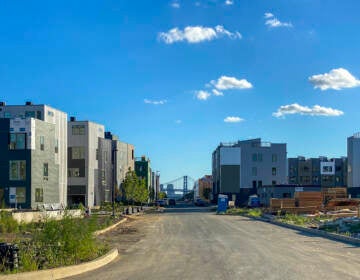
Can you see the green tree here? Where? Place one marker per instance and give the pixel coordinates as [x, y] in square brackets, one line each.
[131, 183]
[206, 193]
[143, 192]
[162, 195]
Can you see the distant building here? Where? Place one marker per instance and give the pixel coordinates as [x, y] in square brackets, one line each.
[239, 168]
[353, 154]
[123, 156]
[143, 170]
[33, 155]
[318, 171]
[202, 186]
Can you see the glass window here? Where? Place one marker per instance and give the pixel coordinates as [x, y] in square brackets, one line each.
[7, 115]
[29, 114]
[273, 182]
[259, 157]
[17, 141]
[78, 130]
[73, 172]
[56, 146]
[97, 154]
[17, 170]
[46, 170]
[39, 195]
[42, 143]
[274, 158]
[20, 194]
[254, 171]
[38, 115]
[77, 153]
[254, 157]
[273, 171]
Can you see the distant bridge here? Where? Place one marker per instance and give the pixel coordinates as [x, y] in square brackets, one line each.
[178, 187]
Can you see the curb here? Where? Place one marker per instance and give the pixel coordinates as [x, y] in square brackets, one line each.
[98, 232]
[62, 272]
[317, 232]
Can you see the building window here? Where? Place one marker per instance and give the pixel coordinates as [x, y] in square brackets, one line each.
[337, 179]
[259, 184]
[38, 115]
[42, 143]
[7, 115]
[132, 154]
[29, 114]
[78, 130]
[260, 157]
[274, 158]
[254, 171]
[39, 195]
[46, 170]
[20, 194]
[56, 146]
[73, 172]
[273, 183]
[254, 184]
[273, 171]
[17, 170]
[105, 156]
[103, 177]
[77, 152]
[254, 157]
[17, 141]
[97, 154]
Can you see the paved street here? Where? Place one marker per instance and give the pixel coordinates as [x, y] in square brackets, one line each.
[187, 244]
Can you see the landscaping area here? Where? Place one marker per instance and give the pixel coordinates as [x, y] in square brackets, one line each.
[54, 243]
[339, 222]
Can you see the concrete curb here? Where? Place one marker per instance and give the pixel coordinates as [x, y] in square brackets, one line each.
[67, 271]
[98, 232]
[317, 232]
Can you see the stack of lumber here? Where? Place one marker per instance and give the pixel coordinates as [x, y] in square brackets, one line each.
[308, 199]
[333, 193]
[337, 204]
[276, 203]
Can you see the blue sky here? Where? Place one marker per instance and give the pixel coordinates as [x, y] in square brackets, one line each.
[287, 70]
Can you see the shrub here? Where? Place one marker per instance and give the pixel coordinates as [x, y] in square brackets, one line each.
[7, 223]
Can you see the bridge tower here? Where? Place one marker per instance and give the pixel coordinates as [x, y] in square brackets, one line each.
[185, 185]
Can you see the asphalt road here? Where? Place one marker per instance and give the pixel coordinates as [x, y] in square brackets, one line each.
[182, 243]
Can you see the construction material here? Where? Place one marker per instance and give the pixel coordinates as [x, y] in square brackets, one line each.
[308, 199]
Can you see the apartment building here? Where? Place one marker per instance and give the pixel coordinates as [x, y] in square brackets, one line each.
[88, 163]
[318, 171]
[203, 188]
[239, 168]
[143, 170]
[33, 154]
[353, 155]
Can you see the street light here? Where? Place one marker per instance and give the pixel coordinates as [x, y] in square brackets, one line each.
[114, 182]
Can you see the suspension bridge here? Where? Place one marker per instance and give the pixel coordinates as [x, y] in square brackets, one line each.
[179, 187]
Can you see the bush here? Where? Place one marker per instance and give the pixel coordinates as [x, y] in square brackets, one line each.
[7, 223]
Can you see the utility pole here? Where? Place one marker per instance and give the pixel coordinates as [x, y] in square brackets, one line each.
[114, 180]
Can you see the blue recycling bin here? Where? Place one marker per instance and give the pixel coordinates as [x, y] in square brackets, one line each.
[222, 203]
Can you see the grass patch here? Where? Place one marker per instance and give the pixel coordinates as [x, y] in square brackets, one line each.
[253, 212]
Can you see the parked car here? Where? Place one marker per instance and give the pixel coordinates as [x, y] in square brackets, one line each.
[200, 202]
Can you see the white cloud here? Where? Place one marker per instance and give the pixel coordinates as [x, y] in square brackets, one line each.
[233, 119]
[217, 93]
[336, 79]
[268, 15]
[175, 5]
[224, 83]
[196, 34]
[229, 2]
[316, 110]
[273, 22]
[202, 95]
[155, 102]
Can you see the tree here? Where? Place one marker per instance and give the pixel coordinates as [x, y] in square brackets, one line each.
[131, 183]
[162, 195]
[206, 193]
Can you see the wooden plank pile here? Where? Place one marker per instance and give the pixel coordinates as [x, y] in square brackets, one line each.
[280, 203]
[308, 199]
[342, 203]
[333, 193]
